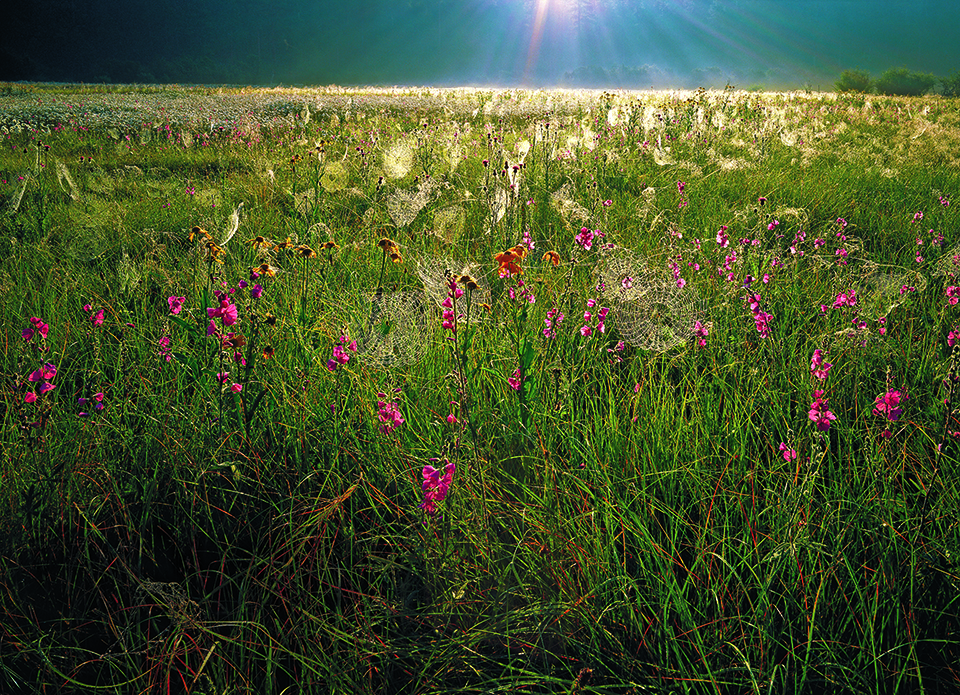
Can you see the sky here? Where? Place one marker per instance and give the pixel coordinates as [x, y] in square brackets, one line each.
[776, 44]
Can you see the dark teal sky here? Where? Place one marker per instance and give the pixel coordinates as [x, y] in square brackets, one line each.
[603, 43]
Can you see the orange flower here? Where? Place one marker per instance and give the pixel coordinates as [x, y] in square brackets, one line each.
[508, 262]
[519, 250]
[195, 231]
[552, 256]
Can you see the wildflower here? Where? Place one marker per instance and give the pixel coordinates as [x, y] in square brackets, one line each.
[30, 397]
[953, 295]
[888, 405]
[469, 282]
[514, 381]
[226, 312]
[200, 231]
[260, 242]
[819, 368]
[788, 453]
[305, 251]
[819, 413]
[553, 319]
[38, 326]
[607, 203]
[388, 246]
[508, 262]
[585, 238]
[268, 352]
[340, 356]
[701, 331]
[528, 241]
[388, 414]
[263, 269]
[329, 246]
[165, 349]
[553, 257]
[223, 377]
[722, 239]
[176, 304]
[436, 486]
[236, 388]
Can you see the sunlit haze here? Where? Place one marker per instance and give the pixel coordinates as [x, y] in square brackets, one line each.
[529, 43]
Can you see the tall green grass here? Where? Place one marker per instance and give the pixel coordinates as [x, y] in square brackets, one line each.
[623, 521]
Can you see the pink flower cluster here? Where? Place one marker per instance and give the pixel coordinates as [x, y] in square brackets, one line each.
[586, 330]
[722, 238]
[176, 304]
[42, 378]
[166, 352]
[818, 368]
[701, 331]
[819, 413]
[585, 238]
[94, 317]
[340, 356]
[97, 404]
[388, 413]
[953, 295]
[554, 319]
[888, 405]
[674, 266]
[761, 319]
[449, 307]
[226, 312]
[788, 453]
[436, 486]
[36, 326]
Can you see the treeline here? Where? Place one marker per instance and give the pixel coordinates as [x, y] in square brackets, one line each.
[898, 82]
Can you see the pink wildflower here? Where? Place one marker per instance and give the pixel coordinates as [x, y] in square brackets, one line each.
[436, 486]
[819, 413]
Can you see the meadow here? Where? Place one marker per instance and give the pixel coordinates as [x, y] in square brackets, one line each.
[426, 391]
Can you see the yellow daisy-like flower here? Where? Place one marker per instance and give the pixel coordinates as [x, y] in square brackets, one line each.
[305, 251]
[265, 269]
[468, 281]
[388, 245]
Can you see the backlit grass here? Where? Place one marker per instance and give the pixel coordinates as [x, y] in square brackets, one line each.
[238, 326]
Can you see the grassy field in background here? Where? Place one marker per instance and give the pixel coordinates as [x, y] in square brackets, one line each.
[424, 391]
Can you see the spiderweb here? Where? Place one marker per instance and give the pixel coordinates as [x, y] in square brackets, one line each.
[574, 214]
[433, 273]
[392, 328]
[948, 265]
[651, 312]
[403, 206]
[880, 290]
